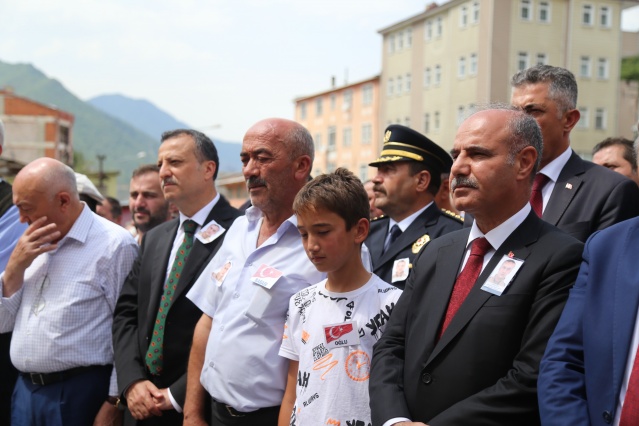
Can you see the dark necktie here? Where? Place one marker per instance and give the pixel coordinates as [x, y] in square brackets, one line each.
[630, 409]
[466, 279]
[536, 200]
[395, 232]
[154, 355]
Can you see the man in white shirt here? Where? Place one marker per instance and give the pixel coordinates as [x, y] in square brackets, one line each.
[60, 286]
[575, 195]
[261, 264]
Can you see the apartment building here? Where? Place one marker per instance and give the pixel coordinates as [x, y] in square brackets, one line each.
[438, 65]
[344, 124]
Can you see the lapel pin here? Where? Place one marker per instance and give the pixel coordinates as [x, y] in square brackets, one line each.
[569, 186]
[511, 254]
[421, 242]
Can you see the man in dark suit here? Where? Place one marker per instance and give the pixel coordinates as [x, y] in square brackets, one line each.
[408, 178]
[151, 345]
[576, 196]
[587, 374]
[455, 352]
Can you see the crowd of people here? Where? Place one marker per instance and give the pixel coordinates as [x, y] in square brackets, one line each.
[452, 288]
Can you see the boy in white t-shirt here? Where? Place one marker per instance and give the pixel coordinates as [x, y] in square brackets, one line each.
[333, 325]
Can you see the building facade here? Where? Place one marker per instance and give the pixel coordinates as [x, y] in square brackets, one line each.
[438, 65]
[345, 128]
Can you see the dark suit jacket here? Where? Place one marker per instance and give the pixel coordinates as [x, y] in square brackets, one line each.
[583, 369]
[483, 371]
[432, 222]
[588, 197]
[137, 306]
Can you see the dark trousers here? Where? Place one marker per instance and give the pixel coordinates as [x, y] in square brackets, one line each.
[71, 402]
[222, 415]
[8, 377]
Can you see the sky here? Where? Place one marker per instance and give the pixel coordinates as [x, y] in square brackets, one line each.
[218, 65]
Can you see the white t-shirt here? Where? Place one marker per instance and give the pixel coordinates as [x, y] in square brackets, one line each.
[332, 381]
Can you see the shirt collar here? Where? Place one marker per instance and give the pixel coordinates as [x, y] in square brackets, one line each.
[80, 229]
[554, 168]
[202, 214]
[405, 223]
[498, 235]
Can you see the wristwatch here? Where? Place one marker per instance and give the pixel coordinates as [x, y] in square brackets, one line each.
[114, 400]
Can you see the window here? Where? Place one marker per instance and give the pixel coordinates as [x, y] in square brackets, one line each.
[409, 37]
[367, 94]
[475, 12]
[460, 115]
[363, 172]
[426, 123]
[544, 11]
[471, 110]
[333, 101]
[472, 68]
[347, 137]
[318, 106]
[367, 134]
[390, 89]
[302, 110]
[586, 14]
[428, 30]
[584, 120]
[407, 121]
[584, 66]
[602, 69]
[461, 67]
[427, 77]
[331, 138]
[436, 123]
[439, 28]
[463, 16]
[542, 59]
[400, 40]
[391, 43]
[400, 83]
[348, 99]
[600, 119]
[408, 83]
[525, 10]
[318, 141]
[438, 75]
[522, 60]
[604, 17]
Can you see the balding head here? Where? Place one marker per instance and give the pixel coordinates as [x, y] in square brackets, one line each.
[47, 187]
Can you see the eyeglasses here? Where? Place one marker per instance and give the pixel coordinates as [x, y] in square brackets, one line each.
[40, 302]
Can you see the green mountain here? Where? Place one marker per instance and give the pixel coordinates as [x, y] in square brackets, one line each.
[94, 132]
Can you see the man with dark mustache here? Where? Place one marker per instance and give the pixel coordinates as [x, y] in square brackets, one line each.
[408, 177]
[146, 200]
[244, 292]
[454, 351]
[154, 321]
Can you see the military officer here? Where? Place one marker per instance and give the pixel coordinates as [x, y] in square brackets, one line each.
[408, 177]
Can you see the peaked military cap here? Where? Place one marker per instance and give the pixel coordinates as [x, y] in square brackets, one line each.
[405, 144]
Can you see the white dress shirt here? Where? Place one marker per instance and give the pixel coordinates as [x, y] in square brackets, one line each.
[553, 170]
[64, 311]
[242, 367]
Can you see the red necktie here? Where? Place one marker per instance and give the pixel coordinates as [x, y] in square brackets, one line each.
[536, 200]
[466, 279]
[630, 409]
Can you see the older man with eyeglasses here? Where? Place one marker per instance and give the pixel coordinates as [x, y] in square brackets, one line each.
[60, 287]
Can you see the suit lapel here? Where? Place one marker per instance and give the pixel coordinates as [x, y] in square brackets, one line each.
[161, 252]
[426, 218]
[517, 242]
[375, 243]
[566, 187]
[626, 299]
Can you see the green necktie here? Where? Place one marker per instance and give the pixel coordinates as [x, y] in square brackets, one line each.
[154, 355]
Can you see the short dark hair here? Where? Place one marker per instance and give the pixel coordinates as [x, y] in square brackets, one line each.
[629, 153]
[204, 147]
[415, 167]
[144, 169]
[562, 84]
[116, 208]
[340, 192]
